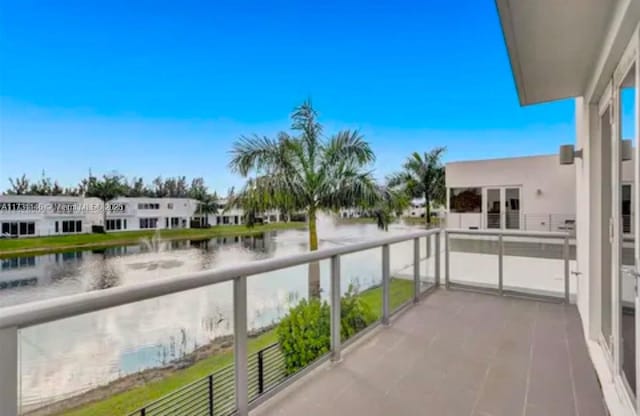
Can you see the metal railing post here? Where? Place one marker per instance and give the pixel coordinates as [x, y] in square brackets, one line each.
[566, 268]
[416, 269]
[9, 371]
[335, 308]
[550, 229]
[210, 394]
[385, 284]
[260, 372]
[240, 345]
[437, 261]
[500, 263]
[446, 259]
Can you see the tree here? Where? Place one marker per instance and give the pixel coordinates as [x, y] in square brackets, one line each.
[423, 177]
[207, 203]
[391, 205]
[19, 186]
[305, 171]
[106, 189]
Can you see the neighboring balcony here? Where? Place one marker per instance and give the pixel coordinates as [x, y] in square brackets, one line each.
[464, 322]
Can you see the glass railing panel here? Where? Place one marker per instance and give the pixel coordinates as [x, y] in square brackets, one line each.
[536, 265]
[401, 285]
[473, 260]
[361, 281]
[122, 359]
[428, 261]
[288, 321]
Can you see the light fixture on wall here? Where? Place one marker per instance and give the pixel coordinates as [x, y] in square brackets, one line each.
[568, 154]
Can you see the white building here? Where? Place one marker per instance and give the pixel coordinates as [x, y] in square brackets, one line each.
[149, 213]
[590, 50]
[30, 215]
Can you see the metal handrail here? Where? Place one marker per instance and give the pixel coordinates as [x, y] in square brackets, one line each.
[510, 233]
[17, 317]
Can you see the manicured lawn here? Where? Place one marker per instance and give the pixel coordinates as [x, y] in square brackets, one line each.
[41, 245]
[126, 402]
[401, 291]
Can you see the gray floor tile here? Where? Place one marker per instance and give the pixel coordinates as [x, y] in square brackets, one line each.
[461, 354]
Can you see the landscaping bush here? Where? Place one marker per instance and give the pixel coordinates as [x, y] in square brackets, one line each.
[304, 333]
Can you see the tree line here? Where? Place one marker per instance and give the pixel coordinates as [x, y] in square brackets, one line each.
[172, 187]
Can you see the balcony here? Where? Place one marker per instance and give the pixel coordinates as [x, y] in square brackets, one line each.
[458, 353]
[498, 336]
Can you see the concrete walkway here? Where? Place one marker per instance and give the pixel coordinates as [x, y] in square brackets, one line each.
[458, 353]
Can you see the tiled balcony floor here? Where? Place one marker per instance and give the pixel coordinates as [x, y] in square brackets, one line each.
[458, 353]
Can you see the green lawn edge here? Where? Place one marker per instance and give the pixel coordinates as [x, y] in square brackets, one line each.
[15, 247]
[401, 291]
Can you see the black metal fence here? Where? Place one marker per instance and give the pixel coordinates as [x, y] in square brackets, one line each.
[214, 395]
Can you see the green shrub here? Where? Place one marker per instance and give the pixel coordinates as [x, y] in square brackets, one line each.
[304, 333]
[355, 314]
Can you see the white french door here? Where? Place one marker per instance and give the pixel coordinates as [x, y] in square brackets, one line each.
[620, 323]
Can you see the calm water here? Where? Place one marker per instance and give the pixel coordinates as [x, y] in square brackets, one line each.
[65, 357]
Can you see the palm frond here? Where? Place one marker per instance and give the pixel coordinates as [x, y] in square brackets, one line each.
[348, 145]
[254, 153]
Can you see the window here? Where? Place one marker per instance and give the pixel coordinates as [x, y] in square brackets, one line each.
[57, 227]
[465, 200]
[148, 223]
[71, 226]
[170, 205]
[148, 206]
[19, 228]
[166, 222]
[124, 223]
[114, 224]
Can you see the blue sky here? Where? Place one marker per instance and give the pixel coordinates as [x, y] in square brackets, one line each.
[164, 88]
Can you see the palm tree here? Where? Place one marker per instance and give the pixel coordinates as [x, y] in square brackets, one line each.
[106, 189]
[207, 204]
[423, 177]
[305, 171]
[391, 205]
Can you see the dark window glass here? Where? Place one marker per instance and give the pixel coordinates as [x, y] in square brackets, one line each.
[65, 226]
[124, 223]
[78, 226]
[57, 227]
[23, 228]
[462, 200]
[31, 228]
[5, 228]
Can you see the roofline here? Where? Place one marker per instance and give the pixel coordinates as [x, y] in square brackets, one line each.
[500, 159]
[504, 13]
